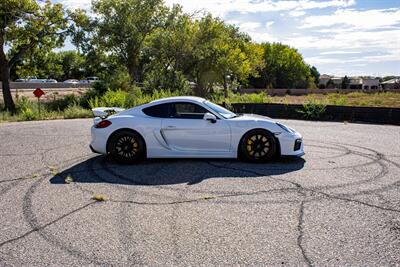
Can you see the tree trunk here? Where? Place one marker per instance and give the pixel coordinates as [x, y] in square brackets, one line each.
[225, 87]
[5, 79]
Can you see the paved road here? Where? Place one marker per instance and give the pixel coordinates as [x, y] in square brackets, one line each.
[339, 205]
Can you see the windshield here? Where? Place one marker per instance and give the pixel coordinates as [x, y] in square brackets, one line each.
[220, 110]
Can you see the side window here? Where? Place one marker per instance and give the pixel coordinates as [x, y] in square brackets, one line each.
[184, 110]
[158, 111]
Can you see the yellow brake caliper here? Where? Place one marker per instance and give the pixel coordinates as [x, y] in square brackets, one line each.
[135, 145]
[249, 148]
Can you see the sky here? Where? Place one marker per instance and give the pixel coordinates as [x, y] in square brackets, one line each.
[339, 37]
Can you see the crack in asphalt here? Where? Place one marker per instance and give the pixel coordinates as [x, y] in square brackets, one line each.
[300, 228]
[41, 227]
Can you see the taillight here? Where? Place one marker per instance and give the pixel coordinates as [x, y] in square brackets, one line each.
[103, 124]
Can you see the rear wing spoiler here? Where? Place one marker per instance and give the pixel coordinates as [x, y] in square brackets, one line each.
[104, 112]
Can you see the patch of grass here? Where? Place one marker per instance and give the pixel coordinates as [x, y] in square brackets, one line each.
[75, 111]
[35, 175]
[377, 99]
[68, 179]
[99, 197]
[53, 170]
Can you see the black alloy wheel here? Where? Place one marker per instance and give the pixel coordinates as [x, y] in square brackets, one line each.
[258, 146]
[126, 147]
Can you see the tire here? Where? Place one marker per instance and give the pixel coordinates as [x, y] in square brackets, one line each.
[126, 147]
[258, 146]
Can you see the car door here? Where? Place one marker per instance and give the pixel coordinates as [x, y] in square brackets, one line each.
[186, 130]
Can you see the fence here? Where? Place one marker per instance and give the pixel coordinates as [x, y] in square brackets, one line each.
[332, 113]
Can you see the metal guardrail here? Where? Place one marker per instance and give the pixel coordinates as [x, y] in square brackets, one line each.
[30, 86]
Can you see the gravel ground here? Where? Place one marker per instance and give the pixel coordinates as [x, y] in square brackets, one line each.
[338, 205]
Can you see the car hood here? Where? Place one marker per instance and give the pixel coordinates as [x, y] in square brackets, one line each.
[252, 117]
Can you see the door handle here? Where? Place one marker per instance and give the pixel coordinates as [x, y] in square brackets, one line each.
[171, 127]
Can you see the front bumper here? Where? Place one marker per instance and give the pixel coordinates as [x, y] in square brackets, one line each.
[291, 144]
[93, 150]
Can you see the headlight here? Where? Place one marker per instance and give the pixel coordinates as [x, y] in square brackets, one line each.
[285, 128]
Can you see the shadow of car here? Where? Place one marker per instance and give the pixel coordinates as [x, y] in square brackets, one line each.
[100, 169]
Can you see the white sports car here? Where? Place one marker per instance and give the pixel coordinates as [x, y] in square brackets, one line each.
[189, 127]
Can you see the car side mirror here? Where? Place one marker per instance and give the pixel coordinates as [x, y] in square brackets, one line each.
[210, 117]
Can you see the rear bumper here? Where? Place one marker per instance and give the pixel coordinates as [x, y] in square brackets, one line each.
[99, 140]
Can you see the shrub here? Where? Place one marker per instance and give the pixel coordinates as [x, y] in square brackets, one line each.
[24, 104]
[75, 111]
[171, 80]
[28, 114]
[62, 103]
[117, 98]
[312, 110]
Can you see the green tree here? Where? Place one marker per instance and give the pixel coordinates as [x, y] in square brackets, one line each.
[315, 74]
[284, 68]
[122, 27]
[42, 64]
[25, 26]
[345, 82]
[169, 53]
[220, 51]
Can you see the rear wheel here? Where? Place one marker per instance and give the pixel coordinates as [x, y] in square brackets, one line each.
[258, 146]
[126, 147]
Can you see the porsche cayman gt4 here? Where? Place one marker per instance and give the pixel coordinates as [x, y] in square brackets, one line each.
[189, 127]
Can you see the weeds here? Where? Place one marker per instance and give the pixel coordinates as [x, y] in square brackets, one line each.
[312, 110]
[75, 111]
[68, 179]
[99, 197]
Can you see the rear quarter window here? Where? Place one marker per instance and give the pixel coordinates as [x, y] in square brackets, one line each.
[157, 111]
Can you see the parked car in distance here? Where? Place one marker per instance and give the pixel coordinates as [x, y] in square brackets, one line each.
[73, 81]
[191, 127]
[50, 81]
[20, 80]
[36, 80]
[93, 79]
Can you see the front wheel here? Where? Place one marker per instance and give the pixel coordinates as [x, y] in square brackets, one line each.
[258, 146]
[126, 147]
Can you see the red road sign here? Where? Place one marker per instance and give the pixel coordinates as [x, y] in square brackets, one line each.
[38, 92]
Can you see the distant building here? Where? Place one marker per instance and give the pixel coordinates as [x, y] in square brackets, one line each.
[358, 83]
[391, 84]
[327, 81]
[370, 83]
[355, 83]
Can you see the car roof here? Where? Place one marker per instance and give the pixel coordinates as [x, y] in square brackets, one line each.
[178, 98]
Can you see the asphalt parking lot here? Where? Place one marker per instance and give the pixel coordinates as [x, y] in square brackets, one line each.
[338, 205]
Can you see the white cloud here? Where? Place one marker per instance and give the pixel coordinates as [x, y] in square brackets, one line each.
[222, 7]
[248, 26]
[338, 52]
[268, 24]
[383, 41]
[366, 19]
[262, 37]
[255, 30]
[74, 4]
[297, 13]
